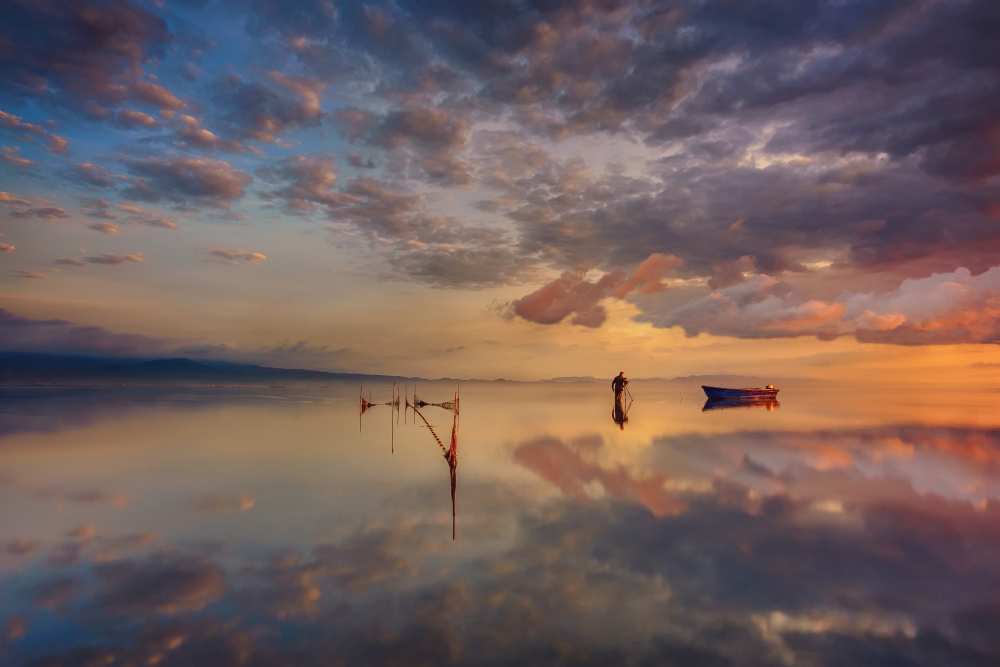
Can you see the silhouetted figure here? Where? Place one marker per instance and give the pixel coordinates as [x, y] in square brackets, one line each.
[618, 385]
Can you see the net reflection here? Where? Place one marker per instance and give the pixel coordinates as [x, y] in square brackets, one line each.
[451, 451]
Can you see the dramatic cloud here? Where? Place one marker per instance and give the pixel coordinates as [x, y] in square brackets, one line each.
[791, 158]
[186, 180]
[955, 307]
[435, 249]
[572, 294]
[85, 55]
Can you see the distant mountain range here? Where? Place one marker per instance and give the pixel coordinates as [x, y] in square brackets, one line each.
[36, 367]
[29, 367]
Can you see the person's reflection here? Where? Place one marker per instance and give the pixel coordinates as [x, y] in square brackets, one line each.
[619, 414]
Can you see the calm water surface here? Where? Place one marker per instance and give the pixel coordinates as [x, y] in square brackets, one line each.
[278, 527]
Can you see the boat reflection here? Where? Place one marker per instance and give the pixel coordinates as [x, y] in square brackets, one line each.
[769, 404]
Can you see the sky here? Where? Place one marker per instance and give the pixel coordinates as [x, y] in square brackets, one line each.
[519, 189]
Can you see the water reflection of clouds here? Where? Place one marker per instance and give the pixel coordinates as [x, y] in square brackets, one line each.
[568, 466]
[863, 545]
[955, 462]
[732, 580]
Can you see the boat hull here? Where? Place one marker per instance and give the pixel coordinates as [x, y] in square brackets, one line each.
[749, 393]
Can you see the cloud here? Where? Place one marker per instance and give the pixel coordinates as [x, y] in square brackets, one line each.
[310, 182]
[572, 294]
[428, 140]
[186, 180]
[55, 336]
[858, 137]
[104, 227]
[192, 133]
[38, 335]
[359, 162]
[435, 249]
[770, 125]
[943, 308]
[108, 259]
[12, 156]
[130, 119]
[428, 128]
[263, 110]
[15, 123]
[134, 214]
[83, 55]
[13, 200]
[354, 123]
[154, 94]
[42, 212]
[238, 256]
[93, 174]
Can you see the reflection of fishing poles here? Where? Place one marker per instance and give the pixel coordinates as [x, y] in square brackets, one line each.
[450, 453]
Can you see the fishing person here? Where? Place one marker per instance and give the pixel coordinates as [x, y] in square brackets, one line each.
[618, 385]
